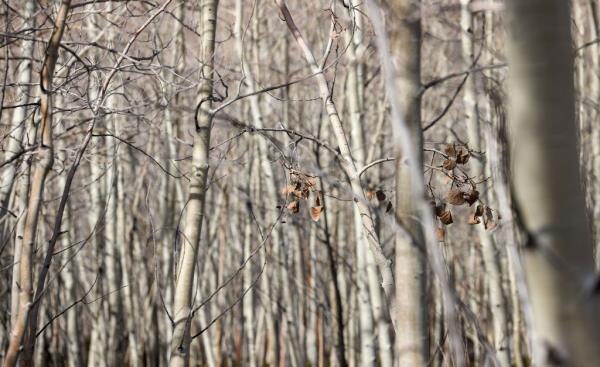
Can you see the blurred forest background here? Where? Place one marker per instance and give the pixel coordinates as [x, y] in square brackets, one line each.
[299, 183]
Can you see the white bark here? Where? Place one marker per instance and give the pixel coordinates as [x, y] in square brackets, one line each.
[197, 192]
[543, 143]
[42, 166]
[478, 165]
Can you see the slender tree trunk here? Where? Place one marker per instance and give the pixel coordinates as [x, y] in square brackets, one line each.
[558, 249]
[42, 166]
[478, 166]
[248, 302]
[69, 274]
[18, 123]
[347, 161]
[376, 309]
[594, 122]
[197, 192]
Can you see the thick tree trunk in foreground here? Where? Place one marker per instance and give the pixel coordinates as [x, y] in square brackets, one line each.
[180, 343]
[547, 184]
[412, 348]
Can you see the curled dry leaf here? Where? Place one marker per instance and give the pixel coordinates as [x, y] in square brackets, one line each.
[490, 224]
[315, 212]
[463, 157]
[451, 150]
[446, 217]
[305, 193]
[471, 197]
[287, 190]
[474, 219]
[449, 164]
[488, 219]
[439, 209]
[440, 234]
[455, 197]
[370, 194]
[380, 195]
[294, 206]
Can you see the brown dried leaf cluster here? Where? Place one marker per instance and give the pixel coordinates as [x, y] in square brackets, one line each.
[455, 157]
[300, 188]
[381, 198]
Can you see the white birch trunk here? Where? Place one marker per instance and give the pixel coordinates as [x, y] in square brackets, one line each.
[197, 192]
[559, 249]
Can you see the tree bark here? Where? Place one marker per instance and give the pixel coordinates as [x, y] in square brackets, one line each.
[410, 312]
[558, 252]
[18, 124]
[181, 339]
[42, 166]
[347, 161]
[478, 165]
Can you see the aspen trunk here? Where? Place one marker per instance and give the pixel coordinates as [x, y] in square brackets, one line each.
[18, 124]
[347, 161]
[478, 165]
[376, 308]
[410, 310]
[181, 339]
[558, 251]
[594, 123]
[43, 165]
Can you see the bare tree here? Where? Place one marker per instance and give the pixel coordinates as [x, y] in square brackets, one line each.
[194, 207]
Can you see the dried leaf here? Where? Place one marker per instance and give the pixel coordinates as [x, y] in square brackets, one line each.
[440, 234]
[472, 196]
[287, 190]
[315, 212]
[294, 206]
[488, 219]
[451, 150]
[380, 195]
[446, 217]
[455, 197]
[488, 213]
[440, 209]
[449, 164]
[490, 224]
[463, 157]
[305, 193]
[370, 194]
[474, 219]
